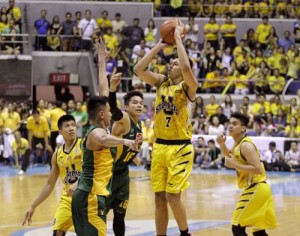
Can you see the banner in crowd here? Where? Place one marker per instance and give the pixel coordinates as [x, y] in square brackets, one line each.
[262, 143]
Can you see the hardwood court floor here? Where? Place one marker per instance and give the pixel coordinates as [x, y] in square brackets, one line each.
[209, 202]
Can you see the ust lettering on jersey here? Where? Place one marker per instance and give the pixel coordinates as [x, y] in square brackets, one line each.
[72, 175]
[167, 105]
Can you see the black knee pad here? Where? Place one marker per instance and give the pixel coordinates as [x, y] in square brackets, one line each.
[260, 233]
[238, 230]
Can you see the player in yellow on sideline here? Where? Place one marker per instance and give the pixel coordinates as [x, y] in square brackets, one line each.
[66, 163]
[173, 153]
[255, 207]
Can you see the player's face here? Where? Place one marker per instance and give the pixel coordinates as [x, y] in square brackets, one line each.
[135, 106]
[106, 114]
[174, 70]
[69, 130]
[235, 127]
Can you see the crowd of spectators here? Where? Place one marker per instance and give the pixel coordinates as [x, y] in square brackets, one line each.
[260, 63]
[209, 156]
[274, 118]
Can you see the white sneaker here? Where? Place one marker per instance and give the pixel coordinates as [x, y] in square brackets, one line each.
[21, 172]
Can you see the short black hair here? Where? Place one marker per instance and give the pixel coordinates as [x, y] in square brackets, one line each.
[211, 141]
[58, 104]
[272, 144]
[95, 104]
[63, 119]
[241, 117]
[131, 94]
[35, 112]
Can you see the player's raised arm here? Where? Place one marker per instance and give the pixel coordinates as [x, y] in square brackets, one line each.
[146, 75]
[121, 118]
[54, 173]
[189, 79]
[102, 53]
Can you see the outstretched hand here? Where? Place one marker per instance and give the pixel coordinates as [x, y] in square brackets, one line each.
[132, 144]
[28, 216]
[115, 81]
[100, 49]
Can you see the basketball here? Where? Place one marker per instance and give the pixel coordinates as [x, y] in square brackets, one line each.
[167, 30]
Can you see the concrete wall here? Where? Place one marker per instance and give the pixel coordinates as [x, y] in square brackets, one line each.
[44, 63]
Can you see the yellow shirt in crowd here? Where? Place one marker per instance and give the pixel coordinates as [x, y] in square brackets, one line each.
[211, 36]
[55, 114]
[38, 129]
[21, 147]
[10, 120]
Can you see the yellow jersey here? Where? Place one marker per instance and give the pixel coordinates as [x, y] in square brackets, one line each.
[38, 129]
[16, 13]
[20, 147]
[256, 107]
[172, 118]
[211, 36]
[55, 114]
[97, 167]
[69, 164]
[231, 27]
[263, 31]
[10, 120]
[211, 109]
[245, 179]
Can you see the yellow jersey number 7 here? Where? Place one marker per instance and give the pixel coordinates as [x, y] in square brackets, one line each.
[168, 120]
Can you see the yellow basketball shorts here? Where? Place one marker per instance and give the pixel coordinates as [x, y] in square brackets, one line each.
[63, 215]
[255, 208]
[171, 167]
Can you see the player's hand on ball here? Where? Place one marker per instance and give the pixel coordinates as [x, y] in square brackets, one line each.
[179, 30]
[162, 44]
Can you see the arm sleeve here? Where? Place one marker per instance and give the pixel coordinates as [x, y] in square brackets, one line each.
[117, 114]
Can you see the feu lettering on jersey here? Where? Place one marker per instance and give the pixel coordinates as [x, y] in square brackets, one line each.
[97, 169]
[123, 155]
[245, 179]
[69, 164]
[173, 110]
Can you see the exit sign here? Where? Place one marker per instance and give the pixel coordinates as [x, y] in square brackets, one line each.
[63, 78]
